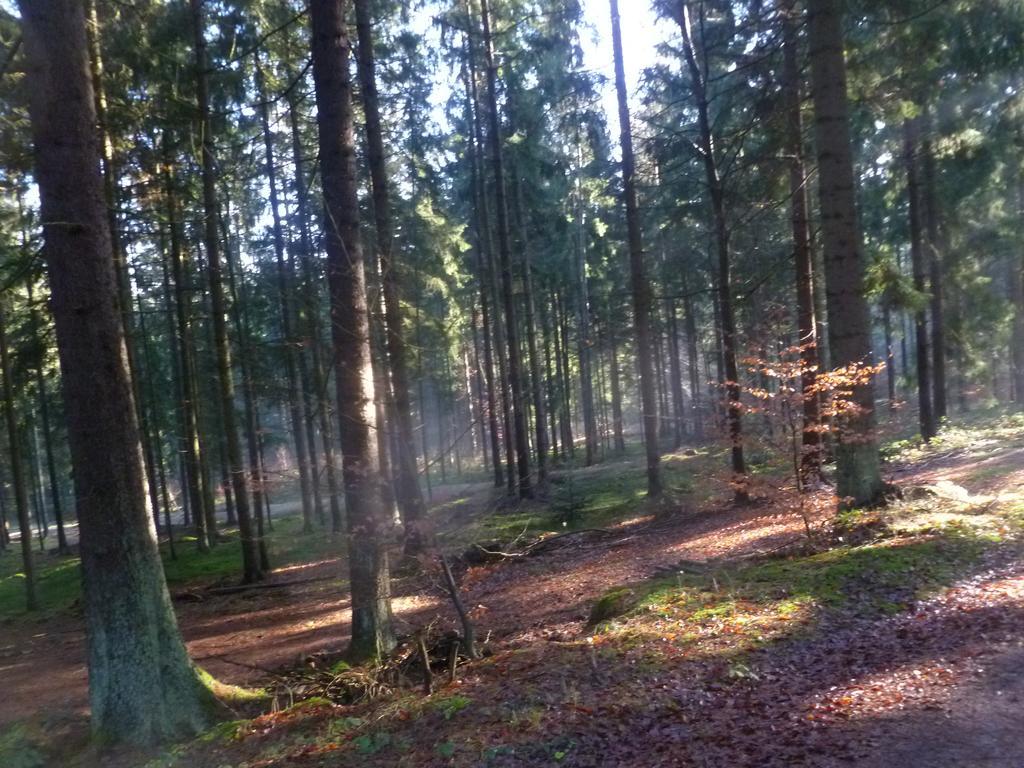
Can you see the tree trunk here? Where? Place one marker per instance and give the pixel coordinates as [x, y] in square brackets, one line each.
[807, 333]
[585, 342]
[286, 300]
[693, 361]
[515, 372]
[616, 387]
[675, 376]
[407, 491]
[489, 282]
[142, 685]
[243, 332]
[1016, 182]
[318, 374]
[934, 255]
[858, 471]
[226, 386]
[44, 413]
[924, 361]
[734, 414]
[17, 471]
[540, 430]
[639, 284]
[372, 633]
[193, 447]
[549, 375]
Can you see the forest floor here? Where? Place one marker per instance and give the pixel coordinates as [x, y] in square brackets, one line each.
[691, 632]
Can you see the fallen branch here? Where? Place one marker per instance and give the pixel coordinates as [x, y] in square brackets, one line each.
[541, 543]
[468, 635]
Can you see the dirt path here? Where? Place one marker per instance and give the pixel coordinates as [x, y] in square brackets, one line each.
[981, 724]
[240, 638]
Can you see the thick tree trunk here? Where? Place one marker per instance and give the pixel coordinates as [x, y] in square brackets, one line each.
[807, 333]
[225, 382]
[372, 632]
[515, 372]
[734, 414]
[858, 471]
[639, 284]
[110, 196]
[926, 414]
[407, 491]
[142, 685]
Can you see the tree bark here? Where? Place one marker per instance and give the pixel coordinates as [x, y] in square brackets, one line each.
[372, 633]
[639, 283]
[142, 685]
[44, 413]
[935, 270]
[585, 342]
[515, 372]
[286, 300]
[243, 332]
[407, 491]
[540, 430]
[807, 332]
[734, 406]
[225, 382]
[858, 470]
[312, 327]
[193, 446]
[493, 335]
[926, 414]
[17, 471]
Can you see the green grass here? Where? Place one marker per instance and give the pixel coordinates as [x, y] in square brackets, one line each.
[18, 749]
[58, 582]
[978, 434]
[592, 498]
[881, 577]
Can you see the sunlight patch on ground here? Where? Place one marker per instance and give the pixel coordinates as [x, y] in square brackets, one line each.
[306, 566]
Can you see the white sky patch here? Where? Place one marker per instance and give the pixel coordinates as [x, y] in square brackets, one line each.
[640, 40]
[642, 32]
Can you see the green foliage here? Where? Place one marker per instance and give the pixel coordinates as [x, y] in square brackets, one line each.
[59, 583]
[18, 749]
[372, 743]
[450, 706]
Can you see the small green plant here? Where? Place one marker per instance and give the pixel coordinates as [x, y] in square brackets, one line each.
[372, 743]
[343, 726]
[452, 705]
[18, 751]
[445, 748]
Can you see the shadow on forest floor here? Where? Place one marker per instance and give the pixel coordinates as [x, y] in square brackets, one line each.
[726, 638]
